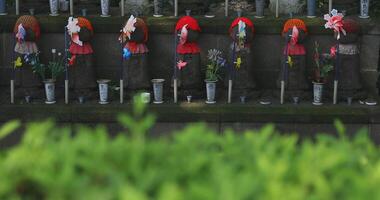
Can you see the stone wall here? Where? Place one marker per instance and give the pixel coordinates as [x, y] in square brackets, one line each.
[266, 47]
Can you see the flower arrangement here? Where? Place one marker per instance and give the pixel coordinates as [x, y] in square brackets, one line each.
[55, 68]
[216, 61]
[323, 64]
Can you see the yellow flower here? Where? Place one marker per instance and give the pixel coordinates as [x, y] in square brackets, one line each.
[290, 61]
[18, 63]
[238, 62]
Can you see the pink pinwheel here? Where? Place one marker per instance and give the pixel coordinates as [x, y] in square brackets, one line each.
[183, 36]
[181, 64]
[20, 33]
[335, 22]
[333, 51]
[76, 40]
[295, 35]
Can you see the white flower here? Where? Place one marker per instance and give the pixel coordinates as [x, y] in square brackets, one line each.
[213, 54]
[72, 26]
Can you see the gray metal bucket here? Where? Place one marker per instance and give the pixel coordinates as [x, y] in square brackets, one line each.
[54, 5]
[105, 7]
[260, 4]
[311, 6]
[364, 9]
[158, 87]
[103, 91]
[211, 90]
[50, 91]
[318, 93]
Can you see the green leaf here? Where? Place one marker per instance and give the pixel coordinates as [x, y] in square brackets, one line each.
[8, 128]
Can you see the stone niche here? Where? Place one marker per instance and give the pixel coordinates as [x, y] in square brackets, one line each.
[39, 6]
[198, 7]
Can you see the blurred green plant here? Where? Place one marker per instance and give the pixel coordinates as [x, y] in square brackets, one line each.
[196, 163]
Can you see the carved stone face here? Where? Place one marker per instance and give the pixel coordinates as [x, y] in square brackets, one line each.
[30, 36]
[348, 38]
[248, 32]
[301, 38]
[85, 35]
[192, 36]
[137, 35]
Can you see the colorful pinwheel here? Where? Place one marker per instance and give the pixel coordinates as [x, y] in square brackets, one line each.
[335, 22]
[181, 64]
[126, 53]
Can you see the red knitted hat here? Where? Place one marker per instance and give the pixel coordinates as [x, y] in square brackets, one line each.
[28, 22]
[351, 26]
[192, 23]
[141, 24]
[294, 22]
[83, 22]
[247, 21]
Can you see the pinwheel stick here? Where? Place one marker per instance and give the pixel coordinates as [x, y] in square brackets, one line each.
[175, 81]
[122, 75]
[13, 74]
[277, 9]
[122, 8]
[175, 8]
[330, 6]
[284, 70]
[230, 82]
[17, 5]
[336, 78]
[71, 7]
[226, 8]
[66, 67]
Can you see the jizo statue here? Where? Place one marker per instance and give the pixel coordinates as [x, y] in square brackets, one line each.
[82, 75]
[240, 55]
[292, 79]
[188, 51]
[135, 52]
[27, 32]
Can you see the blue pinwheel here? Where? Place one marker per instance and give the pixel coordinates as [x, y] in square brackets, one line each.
[126, 53]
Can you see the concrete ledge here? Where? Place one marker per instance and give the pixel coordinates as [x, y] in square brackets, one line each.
[268, 25]
[197, 112]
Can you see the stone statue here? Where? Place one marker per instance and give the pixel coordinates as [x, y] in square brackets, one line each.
[27, 32]
[189, 52]
[82, 75]
[135, 68]
[294, 74]
[350, 84]
[241, 31]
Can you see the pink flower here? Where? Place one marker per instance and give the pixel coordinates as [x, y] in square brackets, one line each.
[181, 64]
[333, 51]
[72, 60]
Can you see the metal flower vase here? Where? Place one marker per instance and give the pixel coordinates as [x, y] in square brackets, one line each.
[103, 91]
[311, 7]
[3, 7]
[318, 93]
[105, 7]
[54, 7]
[211, 91]
[260, 4]
[157, 8]
[158, 87]
[50, 91]
[364, 9]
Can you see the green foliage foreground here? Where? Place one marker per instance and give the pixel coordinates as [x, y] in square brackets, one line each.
[195, 163]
